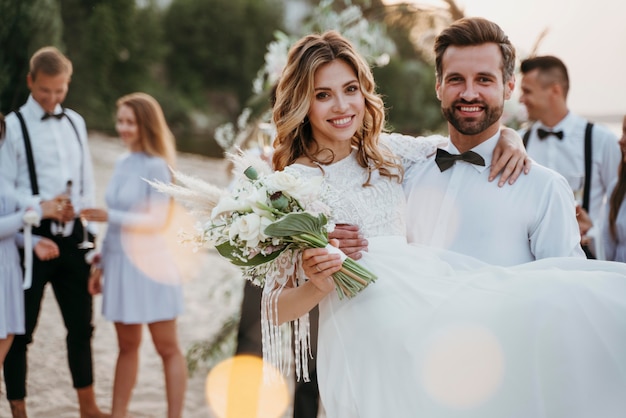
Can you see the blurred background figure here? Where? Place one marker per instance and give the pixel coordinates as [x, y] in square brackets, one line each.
[586, 154]
[47, 155]
[614, 225]
[12, 219]
[138, 277]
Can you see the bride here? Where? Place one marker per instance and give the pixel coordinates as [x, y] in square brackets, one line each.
[545, 339]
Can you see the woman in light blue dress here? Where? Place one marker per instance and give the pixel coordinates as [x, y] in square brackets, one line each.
[12, 214]
[137, 274]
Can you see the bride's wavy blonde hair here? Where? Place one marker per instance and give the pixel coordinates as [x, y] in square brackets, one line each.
[295, 93]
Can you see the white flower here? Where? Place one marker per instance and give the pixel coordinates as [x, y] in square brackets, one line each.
[308, 191]
[282, 181]
[225, 135]
[276, 57]
[303, 191]
[249, 228]
[254, 196]
[230, 204]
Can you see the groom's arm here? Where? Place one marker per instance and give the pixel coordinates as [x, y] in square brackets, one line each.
[318, 261]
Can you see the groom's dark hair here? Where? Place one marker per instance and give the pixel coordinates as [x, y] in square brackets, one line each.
[475, 31]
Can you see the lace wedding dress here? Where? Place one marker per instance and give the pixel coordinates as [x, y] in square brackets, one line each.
[459, 338]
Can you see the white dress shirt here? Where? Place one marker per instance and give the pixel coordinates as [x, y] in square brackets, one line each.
[58, 154]
[460, 210]
[567, 157]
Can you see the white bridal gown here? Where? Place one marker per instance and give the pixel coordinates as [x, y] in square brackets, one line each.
[437, 339]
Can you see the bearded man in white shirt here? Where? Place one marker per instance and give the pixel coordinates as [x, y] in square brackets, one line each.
[457, 208]
[46, 155]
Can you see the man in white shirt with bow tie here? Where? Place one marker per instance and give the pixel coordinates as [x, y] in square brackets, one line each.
[557, 137]
[46, 155]
[455, 207]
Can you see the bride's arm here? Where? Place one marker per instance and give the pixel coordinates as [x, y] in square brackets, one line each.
[295, 302]
[509, 158]
[508, 161]
[318, 265]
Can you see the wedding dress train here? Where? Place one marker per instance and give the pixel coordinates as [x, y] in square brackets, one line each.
[458, 338]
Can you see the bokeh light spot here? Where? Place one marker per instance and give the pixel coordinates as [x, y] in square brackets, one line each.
[463, 366]
[158, 252]
[235, 388]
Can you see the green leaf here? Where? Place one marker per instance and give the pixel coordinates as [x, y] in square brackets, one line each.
[294, 224]
[235, 256]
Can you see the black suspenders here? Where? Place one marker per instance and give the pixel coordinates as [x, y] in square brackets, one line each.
[587, 188]
[31, 161]
[588, 170]
[29, 155]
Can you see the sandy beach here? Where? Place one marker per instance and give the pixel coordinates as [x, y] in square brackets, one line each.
[212, 294]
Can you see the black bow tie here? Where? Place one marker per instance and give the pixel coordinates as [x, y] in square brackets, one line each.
[52, 115]
[445, 160]
[543, 134]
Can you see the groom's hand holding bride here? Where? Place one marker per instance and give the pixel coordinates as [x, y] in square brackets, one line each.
[349, 240]
[319, 264]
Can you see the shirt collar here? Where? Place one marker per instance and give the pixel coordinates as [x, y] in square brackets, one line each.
[36, 110]
[485, 149]
[563, 124]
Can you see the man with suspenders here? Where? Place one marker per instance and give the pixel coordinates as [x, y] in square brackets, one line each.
[46, 155]
[587, 155]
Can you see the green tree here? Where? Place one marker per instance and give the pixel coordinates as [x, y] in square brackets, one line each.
[115, 47]
[218, 45]
[408, 82]
[25, 26]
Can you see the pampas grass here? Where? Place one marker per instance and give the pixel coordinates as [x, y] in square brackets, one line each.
[199, 196]
[196, 195]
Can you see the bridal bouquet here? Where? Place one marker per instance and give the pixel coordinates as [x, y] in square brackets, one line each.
[266, 215]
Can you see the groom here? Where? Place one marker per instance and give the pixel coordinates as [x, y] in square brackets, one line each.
[450, 202]
[456, 208]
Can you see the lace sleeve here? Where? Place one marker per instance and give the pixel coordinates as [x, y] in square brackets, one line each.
[276, 339]
[412, 149]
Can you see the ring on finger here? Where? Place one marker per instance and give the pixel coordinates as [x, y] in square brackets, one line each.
[318, 268]
[59, 208]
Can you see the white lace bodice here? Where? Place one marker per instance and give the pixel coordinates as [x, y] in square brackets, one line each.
[378, 209]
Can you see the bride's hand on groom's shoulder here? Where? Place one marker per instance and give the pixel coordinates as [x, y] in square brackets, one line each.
[350, 240]
[509, 158]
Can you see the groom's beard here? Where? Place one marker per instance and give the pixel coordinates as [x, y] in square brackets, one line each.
[472, 125]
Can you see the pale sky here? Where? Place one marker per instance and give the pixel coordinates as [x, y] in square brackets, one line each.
[589, 36]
